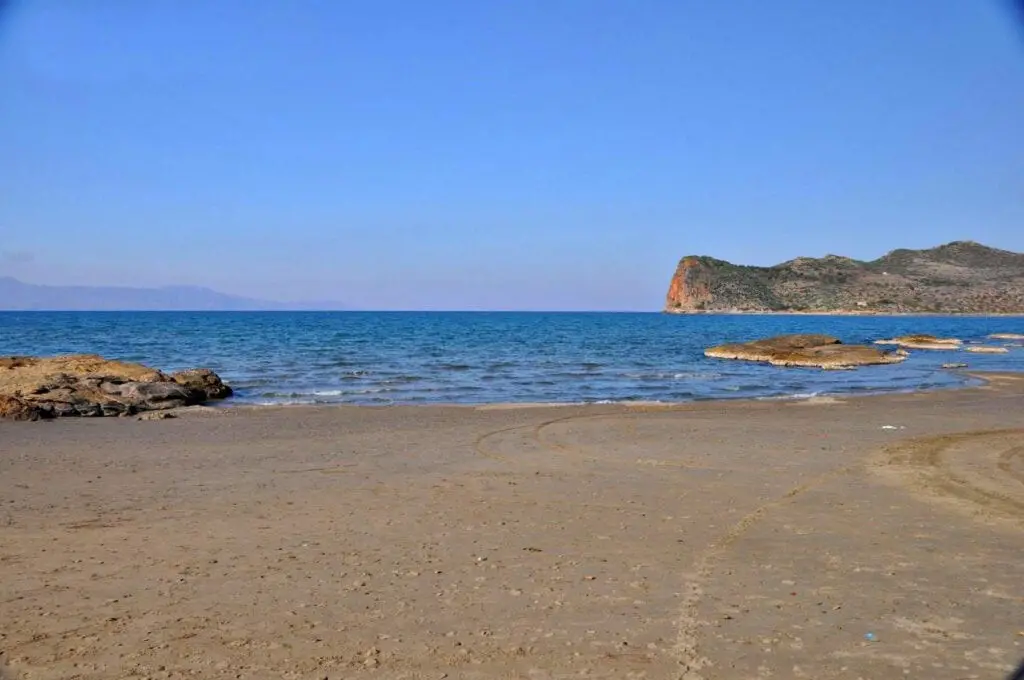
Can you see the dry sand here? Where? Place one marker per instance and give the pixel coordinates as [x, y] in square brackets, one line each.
[715, 540]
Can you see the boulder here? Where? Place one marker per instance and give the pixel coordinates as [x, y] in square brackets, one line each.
[88, 385]
[922, 341]
[1007, 336]
[985, 349]
[203, 380]
[816, 351]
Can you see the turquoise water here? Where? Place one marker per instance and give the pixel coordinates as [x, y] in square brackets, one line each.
[411, 357]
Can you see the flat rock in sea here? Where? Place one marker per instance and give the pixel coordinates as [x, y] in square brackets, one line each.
[35, 388]
[808, 350]
[985, 349]
[922, 341]
[957, 364]
[1007, 336]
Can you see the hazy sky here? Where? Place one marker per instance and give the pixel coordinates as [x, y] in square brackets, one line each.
[526, 154]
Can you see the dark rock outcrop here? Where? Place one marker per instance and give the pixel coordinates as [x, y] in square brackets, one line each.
[33, 388]
[958, 278]
[203, 380]
[815, 351]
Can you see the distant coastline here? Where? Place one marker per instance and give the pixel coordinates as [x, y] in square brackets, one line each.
[18, 296]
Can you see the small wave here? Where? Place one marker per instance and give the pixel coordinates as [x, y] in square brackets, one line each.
[574, 374]
[323, 393]
[501, 365]
[683, 375]
[630, 401]
[794, 396]
[454, 367]
[401, 380]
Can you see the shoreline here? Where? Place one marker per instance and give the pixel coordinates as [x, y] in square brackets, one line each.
[982, 378]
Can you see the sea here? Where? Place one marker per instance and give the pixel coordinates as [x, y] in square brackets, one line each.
[382, 358]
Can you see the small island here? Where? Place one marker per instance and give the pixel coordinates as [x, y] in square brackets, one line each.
[962, 277]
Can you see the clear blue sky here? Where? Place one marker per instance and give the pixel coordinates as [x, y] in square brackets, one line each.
[519, 154]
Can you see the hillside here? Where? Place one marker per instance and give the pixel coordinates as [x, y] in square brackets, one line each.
[962, 277]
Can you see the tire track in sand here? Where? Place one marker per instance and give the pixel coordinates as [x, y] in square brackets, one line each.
[688, 623]
[973, 471]
[535, 434]
[926, 464]
[686, 648]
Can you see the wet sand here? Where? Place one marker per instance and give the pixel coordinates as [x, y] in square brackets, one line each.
[878, 537]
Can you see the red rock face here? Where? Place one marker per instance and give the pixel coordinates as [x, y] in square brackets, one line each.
[690, 288]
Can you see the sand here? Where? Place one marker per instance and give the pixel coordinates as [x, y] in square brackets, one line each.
[877, 537]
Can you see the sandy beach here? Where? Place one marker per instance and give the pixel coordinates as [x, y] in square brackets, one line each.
[875, 537]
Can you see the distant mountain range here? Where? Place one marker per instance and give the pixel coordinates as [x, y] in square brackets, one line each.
[16, 295]
[961, 277]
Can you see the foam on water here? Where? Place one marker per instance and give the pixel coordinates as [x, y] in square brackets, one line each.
[796, 396]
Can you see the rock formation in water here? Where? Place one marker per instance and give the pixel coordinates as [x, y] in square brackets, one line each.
[807, 350]
[923, 341]
[957, 278]
[34, 388]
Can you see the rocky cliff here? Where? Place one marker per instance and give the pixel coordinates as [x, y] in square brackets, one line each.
[962, 277]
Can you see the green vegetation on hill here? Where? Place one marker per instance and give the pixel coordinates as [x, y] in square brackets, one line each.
[956, 278]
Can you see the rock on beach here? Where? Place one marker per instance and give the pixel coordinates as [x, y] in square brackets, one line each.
[36, 388]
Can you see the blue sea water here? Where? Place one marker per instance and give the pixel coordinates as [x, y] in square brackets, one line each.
[469, 357]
